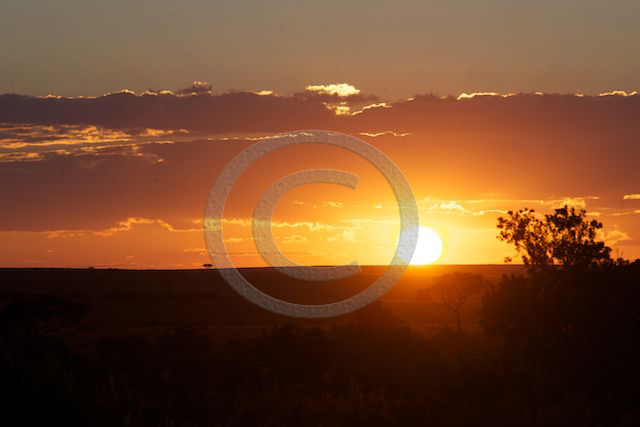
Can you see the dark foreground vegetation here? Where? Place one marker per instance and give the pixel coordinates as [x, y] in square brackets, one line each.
[560, 346]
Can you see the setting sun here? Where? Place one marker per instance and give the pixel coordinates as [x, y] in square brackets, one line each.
[428, 248]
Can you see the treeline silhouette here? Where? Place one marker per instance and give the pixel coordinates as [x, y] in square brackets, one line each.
[561, 347]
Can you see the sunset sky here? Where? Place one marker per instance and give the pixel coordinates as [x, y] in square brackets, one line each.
[117, 118]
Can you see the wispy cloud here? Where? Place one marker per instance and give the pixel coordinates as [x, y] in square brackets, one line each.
[121, 226]
[293, 239]
[327, 204]
[471, 95]
[613, 237]
[385, 133]
[39, 142]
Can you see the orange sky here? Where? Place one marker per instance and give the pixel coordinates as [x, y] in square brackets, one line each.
[98, 187]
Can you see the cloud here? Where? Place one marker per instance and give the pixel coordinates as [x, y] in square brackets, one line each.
[626, 213]
[614, 237]
[371, 106]
[464, 95]
[349, 235]
[339, 89]
[328, 204]
[202, 251]
[619, 93]
[295, 238]
[121, 226]
[385, 133]
[452, 207]
[196, 88]
[235, 240]
[228, 112]
[340, 107]
[576, 202]
[631, 197]
[151, 243]
[214, 224]
[39, 142]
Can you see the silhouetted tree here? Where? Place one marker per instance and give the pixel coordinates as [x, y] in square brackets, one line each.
[452, 291]
[579, 321]
[207, 265]
[566, 237]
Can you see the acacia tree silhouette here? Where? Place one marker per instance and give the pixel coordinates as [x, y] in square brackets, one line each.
[452, 291]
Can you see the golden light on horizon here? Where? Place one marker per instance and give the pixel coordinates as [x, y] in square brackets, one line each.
[429, 247]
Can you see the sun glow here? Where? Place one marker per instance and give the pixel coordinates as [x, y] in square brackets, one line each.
[428, 248]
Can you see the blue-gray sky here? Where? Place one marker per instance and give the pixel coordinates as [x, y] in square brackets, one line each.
[392, 49]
